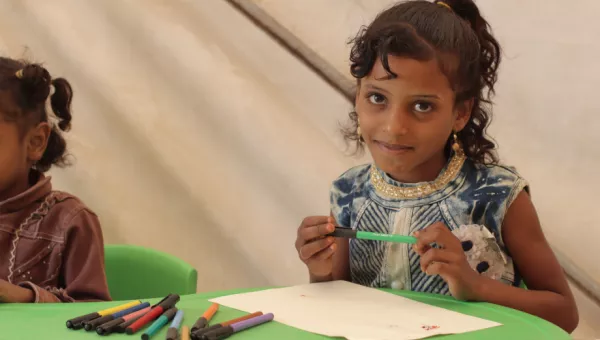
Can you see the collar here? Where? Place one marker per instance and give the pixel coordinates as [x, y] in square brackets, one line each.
[396, 203]
[39, 190]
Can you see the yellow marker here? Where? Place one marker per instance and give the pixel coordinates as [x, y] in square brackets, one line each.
[77, 322]
[119, 308]
[185, 333]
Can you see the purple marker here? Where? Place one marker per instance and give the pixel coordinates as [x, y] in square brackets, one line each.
[227, 331]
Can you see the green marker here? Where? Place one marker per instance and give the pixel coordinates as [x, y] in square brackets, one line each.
[365, 235]
[159, 323]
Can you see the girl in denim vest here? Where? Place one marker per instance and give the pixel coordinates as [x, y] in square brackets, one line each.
[51, 246]
[425, 73]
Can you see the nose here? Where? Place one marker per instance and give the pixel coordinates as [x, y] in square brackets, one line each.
[398, 122]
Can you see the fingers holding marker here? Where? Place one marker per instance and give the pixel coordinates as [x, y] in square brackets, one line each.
[439, 234]
[314, 232]
[312, 248]
[438, 256]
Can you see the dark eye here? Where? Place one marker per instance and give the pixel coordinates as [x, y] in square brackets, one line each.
[377, 99]
[423, 107]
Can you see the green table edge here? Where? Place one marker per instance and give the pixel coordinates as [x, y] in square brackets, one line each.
[533, 321]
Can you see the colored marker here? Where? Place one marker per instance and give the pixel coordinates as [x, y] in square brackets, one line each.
[199, 333]
[227, 331]
[123, 327]
[205, 318]
[154, 313]
[173, 331]
[365, 235]
[111, 326]
[159, 323]
[185, 333]
[77, 323]
[93, 324]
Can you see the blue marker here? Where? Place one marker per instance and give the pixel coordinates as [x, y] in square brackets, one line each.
[93, 324]
[173, 332]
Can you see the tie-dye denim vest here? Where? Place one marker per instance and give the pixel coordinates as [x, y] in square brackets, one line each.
[473, 205]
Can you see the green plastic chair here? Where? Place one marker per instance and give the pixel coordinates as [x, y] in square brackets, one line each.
[135, 272]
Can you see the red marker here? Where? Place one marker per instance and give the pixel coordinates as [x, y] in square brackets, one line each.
[153, 314]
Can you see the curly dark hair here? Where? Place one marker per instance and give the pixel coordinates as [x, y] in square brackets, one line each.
[459, 38]
[24, 90]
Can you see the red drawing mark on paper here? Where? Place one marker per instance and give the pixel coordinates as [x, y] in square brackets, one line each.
[430, 328]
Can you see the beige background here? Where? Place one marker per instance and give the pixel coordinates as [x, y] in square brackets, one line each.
[196, 134]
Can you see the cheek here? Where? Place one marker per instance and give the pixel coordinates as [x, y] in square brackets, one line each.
[369, 120]
[12, 158]
[436, 133]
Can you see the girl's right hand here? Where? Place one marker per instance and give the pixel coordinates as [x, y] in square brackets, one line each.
[315, 248]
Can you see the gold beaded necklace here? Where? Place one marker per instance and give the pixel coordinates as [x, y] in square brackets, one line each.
[391, 191]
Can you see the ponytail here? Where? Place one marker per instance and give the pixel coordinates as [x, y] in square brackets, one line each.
[57, 146]
[490, 52]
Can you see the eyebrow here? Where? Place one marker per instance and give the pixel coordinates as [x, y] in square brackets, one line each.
[426, 96]
[373, 87]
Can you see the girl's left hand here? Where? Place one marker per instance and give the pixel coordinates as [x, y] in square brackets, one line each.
[448, 261]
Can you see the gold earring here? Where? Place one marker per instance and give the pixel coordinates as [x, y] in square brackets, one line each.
[455, 145]
[359, 133]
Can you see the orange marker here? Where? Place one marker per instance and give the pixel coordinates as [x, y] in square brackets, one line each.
[205, 318]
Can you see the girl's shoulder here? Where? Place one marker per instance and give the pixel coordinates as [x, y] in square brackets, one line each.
[499, 169]
[496, 175]
[66, 210]
[352, 180]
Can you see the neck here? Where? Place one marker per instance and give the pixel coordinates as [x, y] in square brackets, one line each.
[17, 187]
[425, 172]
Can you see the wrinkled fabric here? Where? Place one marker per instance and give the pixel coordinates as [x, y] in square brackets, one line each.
[51, 243]
[478, 195]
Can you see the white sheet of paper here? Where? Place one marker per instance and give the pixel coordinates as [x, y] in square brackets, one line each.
[355, 312]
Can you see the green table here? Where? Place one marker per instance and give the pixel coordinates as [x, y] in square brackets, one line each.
[47, 321]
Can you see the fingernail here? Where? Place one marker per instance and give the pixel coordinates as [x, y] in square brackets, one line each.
[330, 239]
[330, 228]
[332, 247]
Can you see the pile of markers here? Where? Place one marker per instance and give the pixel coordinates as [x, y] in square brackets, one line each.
[133, 316]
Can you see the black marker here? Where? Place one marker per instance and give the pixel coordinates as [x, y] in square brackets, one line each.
[77, 323]
[122, 327]
[112, 326]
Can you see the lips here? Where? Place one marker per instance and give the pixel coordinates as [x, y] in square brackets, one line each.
[394, 148]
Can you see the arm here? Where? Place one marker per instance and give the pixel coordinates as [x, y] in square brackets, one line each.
[15, 294]
[82, 276]
[549, 295]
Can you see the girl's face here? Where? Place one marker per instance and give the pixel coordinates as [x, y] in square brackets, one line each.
[406, 121]
[18, 152]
